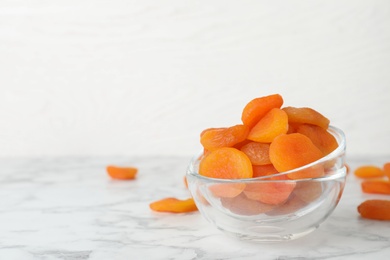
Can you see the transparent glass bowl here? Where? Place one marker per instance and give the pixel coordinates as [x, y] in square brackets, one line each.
[276, 209]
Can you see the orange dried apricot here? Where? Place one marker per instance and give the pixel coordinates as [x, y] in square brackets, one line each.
[376, 186]
[291, 205]
[174, 205]
[274, 123]
[308, 191]
[369, 171]
[243, 206]
[321, 138]
[386, 169]
[263, 170]
[122, 173]
[258, 107]
[305, 115]
[290, 151]
[274, 192]
[375, 209]
[258, 153]
[214, 138]
[226, 163]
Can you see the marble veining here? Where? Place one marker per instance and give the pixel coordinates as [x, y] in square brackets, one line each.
[68, 208]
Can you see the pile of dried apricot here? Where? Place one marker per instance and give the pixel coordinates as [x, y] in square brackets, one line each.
[376, 180]
[270, 139]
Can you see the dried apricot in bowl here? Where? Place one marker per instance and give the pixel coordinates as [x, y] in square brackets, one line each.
[214, 138]
[258, 153]
[258, 107]
[291, 151]
[291, 216]
[274, 191]
[226, 163]
[274, 123]
[306, 115]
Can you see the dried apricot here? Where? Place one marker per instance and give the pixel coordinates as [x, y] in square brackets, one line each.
[386, 169]
[305, 115]
[174, 205]
[375, 209]
[369, 171]
[308, 191]
[274, 192]
[263, 170]
[122, 173]
[258, 153]
[289, 206]
[290, 151]
[226, 163]
[321, 138]
[243, 206]
[274, 123]
[258, 107]
[214, 138]
[376, 186]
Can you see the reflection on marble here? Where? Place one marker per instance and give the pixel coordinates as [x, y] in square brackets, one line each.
[67, 208]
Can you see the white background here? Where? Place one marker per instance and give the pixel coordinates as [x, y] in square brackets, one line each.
[145, 77]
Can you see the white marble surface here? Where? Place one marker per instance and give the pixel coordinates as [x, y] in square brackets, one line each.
[68, 208]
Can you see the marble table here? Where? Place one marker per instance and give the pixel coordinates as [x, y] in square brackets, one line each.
[68, 208]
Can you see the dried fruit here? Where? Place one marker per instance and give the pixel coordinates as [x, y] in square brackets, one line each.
[258, 107]
[290, 151]
[321, 138]
[122, 173]
[243, 206]
[214, 138]
[375, 209]
[258, 153]
[173, 205]
[226, 163]
[274, 123]
[305, 115]
[386, 169]
[274, 190]
[376, 186]
[369, 171]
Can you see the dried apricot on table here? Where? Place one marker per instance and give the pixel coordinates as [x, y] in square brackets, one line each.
[226, 163]
[321, 138]
[376, 186]
[290, 151]
[305, 115]
[173, 205]
[274, 123]
[214, 138]
[122, 173]
[258, 153]
[258, 107]
[386, 169]
[375, 209]
[369, 171]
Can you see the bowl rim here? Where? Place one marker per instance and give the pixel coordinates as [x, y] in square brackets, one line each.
[340, 150]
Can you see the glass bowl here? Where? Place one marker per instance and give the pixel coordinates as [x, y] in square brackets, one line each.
[271, 208]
